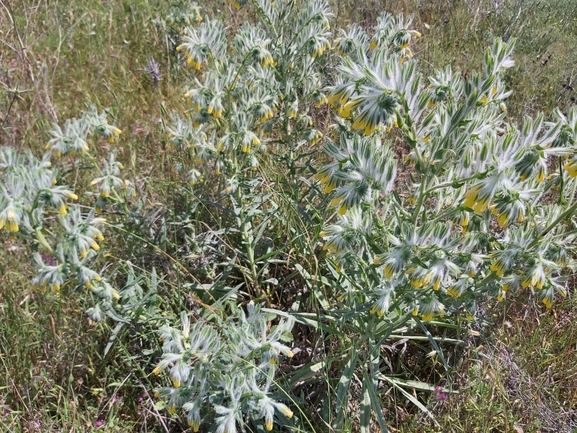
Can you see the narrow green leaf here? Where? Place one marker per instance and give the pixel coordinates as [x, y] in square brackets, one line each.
[344, 384]
[376, 403]
[365, 420]
[433, 342]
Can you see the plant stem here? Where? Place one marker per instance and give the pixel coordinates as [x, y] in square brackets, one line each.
[569, 212]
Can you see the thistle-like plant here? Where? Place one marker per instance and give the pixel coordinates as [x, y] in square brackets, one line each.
[35, 207]
[252, 96]
[480, 207]
[222, 370]
[483, 206]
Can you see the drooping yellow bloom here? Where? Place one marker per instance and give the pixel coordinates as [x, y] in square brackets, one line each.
[12, 226]
[284, 410]
[417, 283]
[481, 206]
[376, 311]
[471, 196]
[571, 168]
[540, 175]
[359, 123]
[388, 272]
[336, 201]
[453, 292]
[547, 302]
[427, 317]
[502, 220]
[498, 268]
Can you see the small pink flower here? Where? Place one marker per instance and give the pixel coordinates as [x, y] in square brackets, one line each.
[439, 394]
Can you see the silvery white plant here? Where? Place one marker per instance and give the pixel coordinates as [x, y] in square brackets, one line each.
[224, 366]
[487, 207]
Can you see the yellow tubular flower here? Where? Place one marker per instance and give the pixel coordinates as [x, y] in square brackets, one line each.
[284, 410]
[336, 201]
[471, 196]
[388, 272]
[540, 175]
[497, 268]
[502, 220]
[417, 283]
[13, 227]
[453, 292]
[571, 168]
[427, 317]
[369, 129]
[547, 302]
[359, 124]
[481, 206]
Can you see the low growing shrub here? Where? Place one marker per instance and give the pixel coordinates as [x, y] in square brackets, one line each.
[430, 201]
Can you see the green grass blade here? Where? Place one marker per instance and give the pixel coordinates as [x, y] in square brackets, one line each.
[344, 384]
[433, 342]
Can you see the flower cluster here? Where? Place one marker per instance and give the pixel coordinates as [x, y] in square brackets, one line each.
[252, 85]
[227, 367]
[477, 215]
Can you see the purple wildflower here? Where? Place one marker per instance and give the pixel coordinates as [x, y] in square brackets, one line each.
[439, 394]
[49, 260]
